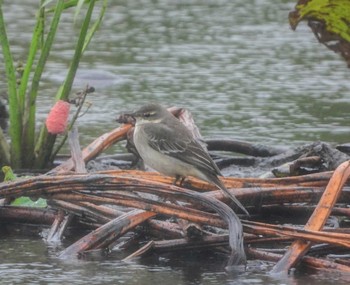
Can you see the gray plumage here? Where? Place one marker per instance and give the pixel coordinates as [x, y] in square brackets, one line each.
[166, 145]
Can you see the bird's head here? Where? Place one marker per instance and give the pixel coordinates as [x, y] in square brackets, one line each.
[150, 113]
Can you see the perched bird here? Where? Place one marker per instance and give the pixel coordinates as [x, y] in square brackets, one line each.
[166, 145]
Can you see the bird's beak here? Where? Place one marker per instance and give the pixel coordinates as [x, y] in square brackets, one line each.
[127, 118]
[132, 115]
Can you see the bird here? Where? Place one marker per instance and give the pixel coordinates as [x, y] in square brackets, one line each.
[166, 145]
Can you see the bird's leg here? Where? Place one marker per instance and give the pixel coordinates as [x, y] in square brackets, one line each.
[191, 231]
[179, 178]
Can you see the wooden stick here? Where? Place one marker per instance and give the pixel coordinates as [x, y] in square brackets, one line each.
[96, 147]
[107, 233]
[341, 239]
[317, 220]
[311, 262]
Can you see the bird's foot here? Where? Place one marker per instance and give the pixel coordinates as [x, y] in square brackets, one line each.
[179, 179]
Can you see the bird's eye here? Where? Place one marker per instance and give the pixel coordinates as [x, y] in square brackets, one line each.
[148, 114]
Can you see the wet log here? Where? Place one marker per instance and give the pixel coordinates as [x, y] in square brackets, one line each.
[95, 148]
[89, 196]
[108, 233]
[311, 262]
[58, 227]
[62, 219]
[164, 229]
[89, 186]
[257, 150]
[339, 239]
[27, 215]
[183, 244]
[79, 210]
[298, 249]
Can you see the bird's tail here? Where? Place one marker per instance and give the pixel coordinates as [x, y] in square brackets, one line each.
[216, 180]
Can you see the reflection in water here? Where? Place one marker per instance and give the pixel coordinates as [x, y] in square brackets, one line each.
[238, 67]
[31, 261]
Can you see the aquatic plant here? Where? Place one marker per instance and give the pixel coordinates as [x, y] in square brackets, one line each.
[25, 148]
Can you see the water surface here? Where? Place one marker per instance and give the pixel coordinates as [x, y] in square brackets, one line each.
[236, 65]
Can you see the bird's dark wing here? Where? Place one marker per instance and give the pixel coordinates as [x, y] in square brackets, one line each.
[185, 148]
[181, 146]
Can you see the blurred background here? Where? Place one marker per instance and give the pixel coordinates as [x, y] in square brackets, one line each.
[236, 65]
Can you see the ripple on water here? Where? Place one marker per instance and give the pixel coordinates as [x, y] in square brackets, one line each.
[235, 64]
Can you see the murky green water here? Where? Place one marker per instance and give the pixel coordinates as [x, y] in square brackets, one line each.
[235, 64]
[31, 261]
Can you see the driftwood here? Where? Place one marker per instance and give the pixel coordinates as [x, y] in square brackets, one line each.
[316, 222]
[114, 189]
[62, 220]
[115, 202]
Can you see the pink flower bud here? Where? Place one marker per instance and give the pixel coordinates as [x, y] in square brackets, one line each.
[57, 119]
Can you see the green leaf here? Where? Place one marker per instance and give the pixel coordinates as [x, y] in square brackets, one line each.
[78, 9]
[30, 108]
[15, 116]
[96, 25]
[335, 14]
[22, 201]
[67, 84]
[329, 20]
[8, 172]
[45, 143]
[68, 4]
[27, 202]
[46, 3]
